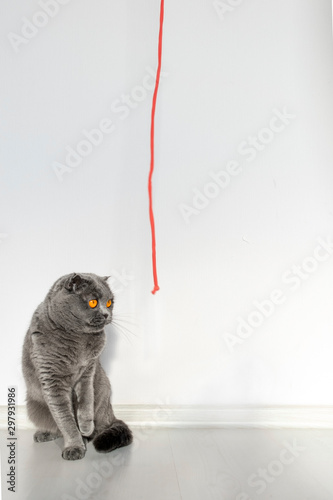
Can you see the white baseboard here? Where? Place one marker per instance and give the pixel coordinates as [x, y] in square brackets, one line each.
[207, 416]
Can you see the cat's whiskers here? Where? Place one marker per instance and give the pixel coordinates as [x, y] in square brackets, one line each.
[125, 315]
[118, 322]
[124, 319]
[118, 329]
[123, 329]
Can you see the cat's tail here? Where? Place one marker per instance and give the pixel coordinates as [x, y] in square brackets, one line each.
[115, 436]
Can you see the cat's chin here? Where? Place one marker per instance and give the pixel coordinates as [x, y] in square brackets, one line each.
[94, 328]
[98, 326]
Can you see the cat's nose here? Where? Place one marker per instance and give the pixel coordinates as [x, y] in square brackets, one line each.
[105, 315]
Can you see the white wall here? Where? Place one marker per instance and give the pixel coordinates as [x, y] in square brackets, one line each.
[226, 74]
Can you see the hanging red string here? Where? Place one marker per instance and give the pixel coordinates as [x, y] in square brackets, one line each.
[152, 146]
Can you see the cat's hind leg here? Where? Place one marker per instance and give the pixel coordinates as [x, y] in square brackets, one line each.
[44, 436]
[40, 415]
[117, 435]
[109, 433]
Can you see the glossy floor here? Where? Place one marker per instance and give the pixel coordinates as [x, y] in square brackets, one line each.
[188, 464]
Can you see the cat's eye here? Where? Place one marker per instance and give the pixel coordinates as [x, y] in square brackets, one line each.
[93, 303]
[109, 302]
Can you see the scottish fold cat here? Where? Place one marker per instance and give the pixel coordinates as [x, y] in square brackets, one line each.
[68, 392]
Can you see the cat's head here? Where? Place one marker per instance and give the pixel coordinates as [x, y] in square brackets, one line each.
[81, 302]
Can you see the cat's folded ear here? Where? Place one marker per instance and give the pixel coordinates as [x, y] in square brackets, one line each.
[105, 278]
[75, 283]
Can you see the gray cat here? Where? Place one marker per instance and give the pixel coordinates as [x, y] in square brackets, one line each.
[68, 392]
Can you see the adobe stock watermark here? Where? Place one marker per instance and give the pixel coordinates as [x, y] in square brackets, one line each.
[104, 468]
[263, 309]
[249, 149]
[264, 476]
[31, 27]
[120, 281]
[92, 138]
[223, 7]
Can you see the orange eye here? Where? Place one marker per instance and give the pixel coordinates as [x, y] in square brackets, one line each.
[93, 303]
[109, 302]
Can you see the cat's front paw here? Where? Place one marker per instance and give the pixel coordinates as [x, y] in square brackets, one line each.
[86, 427]
[73, 453]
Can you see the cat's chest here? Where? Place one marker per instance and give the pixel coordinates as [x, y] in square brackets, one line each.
[90, 348]
[86, 354]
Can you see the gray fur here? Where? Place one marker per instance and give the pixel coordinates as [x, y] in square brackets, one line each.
[68, 392]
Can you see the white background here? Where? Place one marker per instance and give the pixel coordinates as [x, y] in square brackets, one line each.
[225, 76]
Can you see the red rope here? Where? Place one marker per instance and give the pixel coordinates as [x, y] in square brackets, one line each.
[152, 145]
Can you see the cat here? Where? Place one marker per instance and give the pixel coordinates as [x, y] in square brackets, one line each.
[68, 392]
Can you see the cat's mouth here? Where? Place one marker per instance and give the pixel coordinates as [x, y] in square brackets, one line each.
[100, 323]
